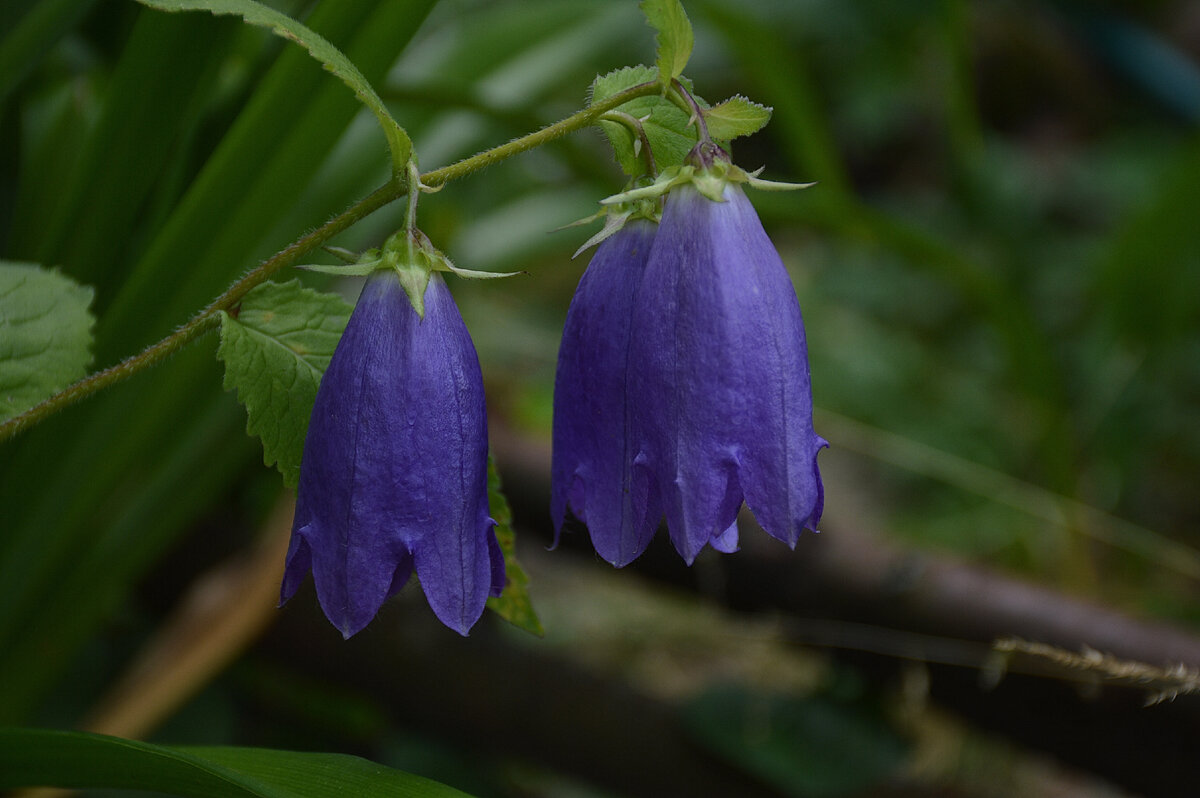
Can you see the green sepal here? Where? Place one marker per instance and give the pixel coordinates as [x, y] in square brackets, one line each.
[414, 279]
[475, 274]
[360, 269]
[616, 217]
[413, 257]
[343, 254]
[514, 604]
[710, 181]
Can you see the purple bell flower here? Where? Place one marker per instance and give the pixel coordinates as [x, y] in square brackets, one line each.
[719, 378]
[394, 475]
[593, 455]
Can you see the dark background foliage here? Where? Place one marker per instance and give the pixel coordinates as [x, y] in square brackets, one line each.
[998, 270]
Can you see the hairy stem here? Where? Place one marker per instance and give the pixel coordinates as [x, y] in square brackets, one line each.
[636, 127]
[393, 190]
[684, 99]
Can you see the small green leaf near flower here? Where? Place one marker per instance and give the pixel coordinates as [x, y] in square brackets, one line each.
[275, 350]
[674, 37]
[736, 117]
[514, 604]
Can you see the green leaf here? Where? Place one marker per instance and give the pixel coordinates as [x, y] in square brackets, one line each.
[45, 335]
[320, 48]
[275, 350]
[736, 117]
[666, 125]
[674, 37]
[514, 604]
[41, 757]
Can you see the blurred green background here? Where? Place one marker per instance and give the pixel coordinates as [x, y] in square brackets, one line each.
[998, 269]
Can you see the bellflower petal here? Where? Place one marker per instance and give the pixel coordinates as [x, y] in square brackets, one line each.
[394, 475]
[593, 458]
[718, 368]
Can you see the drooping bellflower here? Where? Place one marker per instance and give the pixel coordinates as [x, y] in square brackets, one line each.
[593, 459]
[394, 474]
[718, 367]
[683, 382]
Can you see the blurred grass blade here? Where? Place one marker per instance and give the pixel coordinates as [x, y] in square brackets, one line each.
[146, 117]
[154, 451]
[38, 757]
[320, 48]
[43, 25]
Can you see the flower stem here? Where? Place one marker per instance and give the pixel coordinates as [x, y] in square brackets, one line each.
[693, 107]
[203, 321]
[576, 121]
[391, 191]
[638, 129]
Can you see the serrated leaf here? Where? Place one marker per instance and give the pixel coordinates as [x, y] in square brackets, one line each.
[275, 350]
[736, 117]
[674, 38]
[42, 757]
[514, 604]
[666, 125]
[45, 335]
[319, 48]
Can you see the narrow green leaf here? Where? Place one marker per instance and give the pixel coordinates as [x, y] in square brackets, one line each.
[666, 126]
[320, 48]
[674, 37]
[45, 335]
[33, 37]
[736, 117]
[41, 757]
[275, 350]
[514, 604]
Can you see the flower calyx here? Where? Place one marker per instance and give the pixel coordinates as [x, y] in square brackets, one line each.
[709, 170]
[411, 255]
[617, 215]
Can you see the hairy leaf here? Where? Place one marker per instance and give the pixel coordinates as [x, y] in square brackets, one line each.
[275, 350]
[736, 117]
[674, 37]
[40, 757]
[666, 125]
[319, 47]
[45, 335]
[514, 604]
